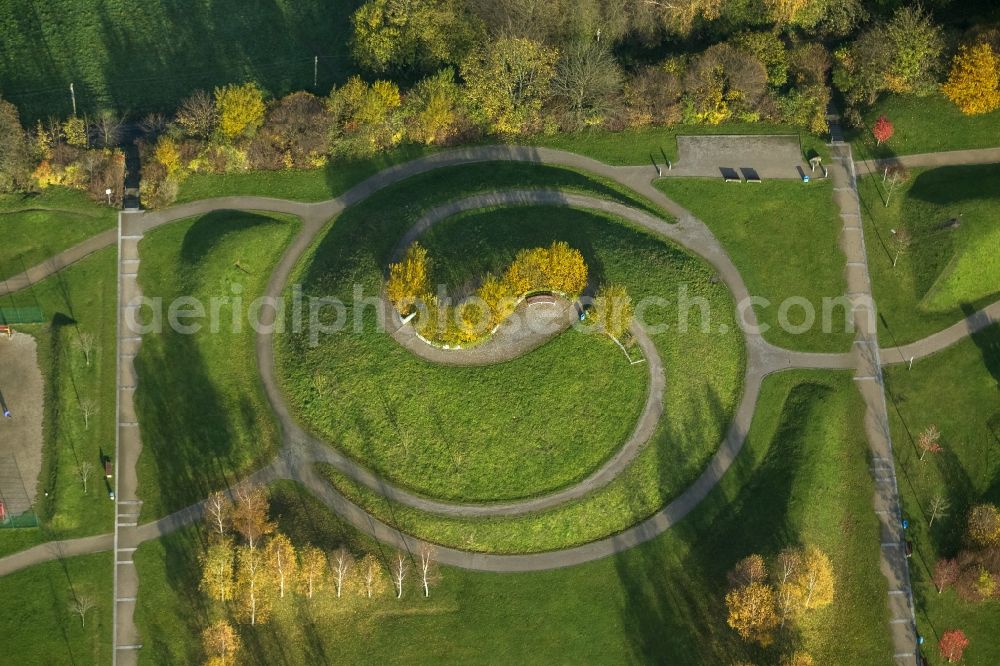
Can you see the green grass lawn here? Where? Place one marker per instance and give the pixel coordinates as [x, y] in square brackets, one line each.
[943, 274]
[958, 390]
[36, 226]
[79, 300]
[641, 146]
[204, 419]
[802, 479]
[783, 237]
[350, 368]
[36, 620]
[924, 125]
[141, 61]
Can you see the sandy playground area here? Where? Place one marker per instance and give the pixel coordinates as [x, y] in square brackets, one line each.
[21, 392]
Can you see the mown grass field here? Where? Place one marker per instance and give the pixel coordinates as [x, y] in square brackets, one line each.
[802, 479]
[924, 125]
[942, 274]
[36, 618]
[958, 390]
[783, 237]
[79, 300]
[440, 409]
[204, 419]
[141, 59]
[36, 226]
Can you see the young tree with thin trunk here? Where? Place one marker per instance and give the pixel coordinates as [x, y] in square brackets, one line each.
[342, 563]
[253, 596]
[217, 570]
[952, 645]
[815, 579]
[945, 574]
[400, 568]
[929, 441]
[312, 570]
[86, 343]
[280, 557]
[80, 605]
[787, 566]
[751, 569]
[221, 643]
[84, 470]
[250, 514]
[88, 408]
[983, 526]
[939, 508]
[429, 572]
[372, 576]
[882, 130]
[218, 514]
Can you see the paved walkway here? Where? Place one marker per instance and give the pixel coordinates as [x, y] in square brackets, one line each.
[57, 262]
[955, 333]
[947, 158]
[868, 376]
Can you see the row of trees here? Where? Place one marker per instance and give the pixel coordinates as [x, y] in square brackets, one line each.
[557, 268]
[251, 565]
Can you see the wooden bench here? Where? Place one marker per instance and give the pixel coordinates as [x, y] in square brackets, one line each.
[8, 330]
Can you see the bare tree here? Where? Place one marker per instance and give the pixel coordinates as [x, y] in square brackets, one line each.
[428, 567]
[196, 115]
[939, 508]
[107, 127]
[400, 568]
[342, 563]
[88, 408]
[219, 513]
[80, 605]
[86, 343]
[153, 125]
[84, 470]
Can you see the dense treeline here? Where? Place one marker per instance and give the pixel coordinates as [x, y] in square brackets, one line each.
[439, 72]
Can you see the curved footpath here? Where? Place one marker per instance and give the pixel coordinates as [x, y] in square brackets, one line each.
[300, 451]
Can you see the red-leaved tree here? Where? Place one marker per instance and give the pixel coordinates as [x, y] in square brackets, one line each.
[882, 129]
[952, 645]
[945, 574]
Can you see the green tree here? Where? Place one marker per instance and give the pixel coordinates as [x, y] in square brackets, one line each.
[433, 108]
[398, 35]
[16, 150]
[366, 118]
[507, 81]
[770, 50]
[240, 110]
[75, 131]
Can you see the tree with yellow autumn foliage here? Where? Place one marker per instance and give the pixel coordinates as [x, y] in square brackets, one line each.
[409, 279]
[240, 110]
[613, 311]
[752, 612]
[974, 81]
[221, 643]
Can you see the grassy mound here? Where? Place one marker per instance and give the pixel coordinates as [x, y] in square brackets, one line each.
[943, 273]
[204, 419]
[958, 390]
[802, 479]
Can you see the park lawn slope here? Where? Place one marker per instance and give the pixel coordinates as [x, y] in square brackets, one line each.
[36, 620]
[203, 417]
[37, 226]
[958, 390]
[942, 274]
[783, 237]
[78, 301]
[802, 479]
[928, 124]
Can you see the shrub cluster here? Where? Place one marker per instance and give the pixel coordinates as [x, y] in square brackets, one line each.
[557, 268]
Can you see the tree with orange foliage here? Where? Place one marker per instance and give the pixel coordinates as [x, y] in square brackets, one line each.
[882, 130]
[974, 81]
[952, 645]
[250, 514]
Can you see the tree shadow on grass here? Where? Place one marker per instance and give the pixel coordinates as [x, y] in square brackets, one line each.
[675, 585]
